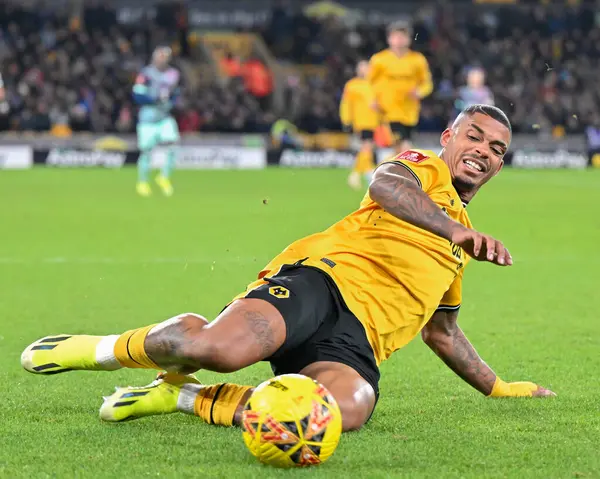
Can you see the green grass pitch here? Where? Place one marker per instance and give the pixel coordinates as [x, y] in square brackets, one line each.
[79, 252]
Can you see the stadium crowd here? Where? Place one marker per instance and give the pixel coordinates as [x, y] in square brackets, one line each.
[63, 73]
[66, 73]
[542, 61]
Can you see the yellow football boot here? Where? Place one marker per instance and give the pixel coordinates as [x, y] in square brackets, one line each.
[143, 189]
[165, 185]
[162, 396]
[65, 352]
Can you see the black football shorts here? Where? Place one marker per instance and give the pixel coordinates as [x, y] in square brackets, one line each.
[366, 134]
[319, 325]
[400, 131]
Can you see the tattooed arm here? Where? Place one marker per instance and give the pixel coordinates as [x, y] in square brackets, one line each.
[398, 192]
[443, 335]
[447, 340]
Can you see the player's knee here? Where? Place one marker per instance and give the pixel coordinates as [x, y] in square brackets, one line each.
[367, 145]
[209, 351]
[355, 414]
[356, 408]
[217, 357]
[192, 317]
[168, 341]
[185, 340]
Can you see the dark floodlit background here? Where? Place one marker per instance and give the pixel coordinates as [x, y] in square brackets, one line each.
[68, 66]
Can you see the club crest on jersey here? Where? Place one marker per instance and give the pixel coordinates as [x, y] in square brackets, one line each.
[413, 156]
[279, 292]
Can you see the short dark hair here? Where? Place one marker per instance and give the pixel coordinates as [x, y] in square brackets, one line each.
[491, 111]
[400, 26]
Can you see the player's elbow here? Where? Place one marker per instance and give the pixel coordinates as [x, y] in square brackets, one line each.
[382, 184]
[426, 90]
[426, 335]
[435, 337]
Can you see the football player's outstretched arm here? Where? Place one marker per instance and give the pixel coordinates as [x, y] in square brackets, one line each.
[396, 190]
[443, 335]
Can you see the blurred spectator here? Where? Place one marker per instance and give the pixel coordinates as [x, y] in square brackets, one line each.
[65, 73]
[257, 80]
[189, 121]
[125, 118]
[593, 133]
[231, 65]
[35, 117]
[475, 91]
[59, 117]
[539, 61]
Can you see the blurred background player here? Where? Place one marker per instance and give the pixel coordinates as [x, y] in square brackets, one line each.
[475, 92]
[156, 89]
[358, 112]
[401, 79]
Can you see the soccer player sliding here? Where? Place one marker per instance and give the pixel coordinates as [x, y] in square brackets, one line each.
[155, 90]
[358, 112]
[333, 305]
[401, 79]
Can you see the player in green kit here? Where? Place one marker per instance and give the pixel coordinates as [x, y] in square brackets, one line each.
[156, 89]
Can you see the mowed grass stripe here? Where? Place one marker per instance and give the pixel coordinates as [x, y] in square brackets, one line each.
[535, 321]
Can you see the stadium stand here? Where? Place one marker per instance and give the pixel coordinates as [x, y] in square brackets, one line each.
[529, 52]
[66, 72]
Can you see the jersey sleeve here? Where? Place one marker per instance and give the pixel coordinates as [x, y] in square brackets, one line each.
[141, 89]
[425, 82]
[375, 69]
[142, 78]
[177, 86]
[452, 298]
[345, 106]
[426, 168]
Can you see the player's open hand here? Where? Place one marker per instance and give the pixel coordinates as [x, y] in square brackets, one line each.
[541, 392]
[482, 247]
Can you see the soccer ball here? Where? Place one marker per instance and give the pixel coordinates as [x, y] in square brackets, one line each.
[291, 420]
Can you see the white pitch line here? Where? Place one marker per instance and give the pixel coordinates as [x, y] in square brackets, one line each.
[134, 261]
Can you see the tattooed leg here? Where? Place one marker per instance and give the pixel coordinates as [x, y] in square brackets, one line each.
[247, 332]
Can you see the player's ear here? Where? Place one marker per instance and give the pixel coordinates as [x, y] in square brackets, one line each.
[500, 167]
[445, 138]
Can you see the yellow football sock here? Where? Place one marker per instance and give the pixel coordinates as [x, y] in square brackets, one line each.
[364, 161]
[218, 403]
[130, 352]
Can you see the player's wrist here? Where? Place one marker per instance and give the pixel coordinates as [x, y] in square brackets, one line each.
[500, 389]
[516, 389]
[454, 229]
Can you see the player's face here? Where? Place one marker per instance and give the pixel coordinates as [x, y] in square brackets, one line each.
[162, 58]
[474, 149]
[476, 78]
[398, 40]
[362, 69]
